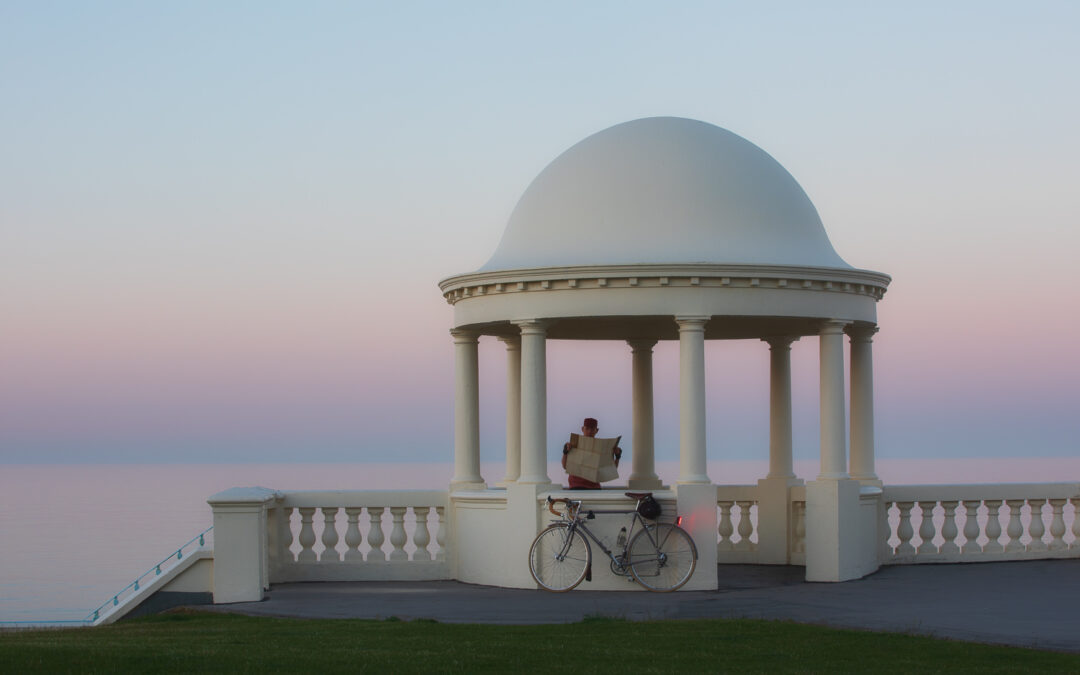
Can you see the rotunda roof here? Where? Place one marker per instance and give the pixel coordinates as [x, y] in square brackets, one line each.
[664, 190]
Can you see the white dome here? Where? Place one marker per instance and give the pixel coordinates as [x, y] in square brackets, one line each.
[664, 190]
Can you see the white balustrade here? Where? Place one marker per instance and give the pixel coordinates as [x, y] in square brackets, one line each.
[993, 526]
[307, 536]
[746, 527]
[798, 527]
[353, 536]
[959, 523]
[349, 545]
[1057, 525]
[948, 528]
[971, 527]
[1037, 528]
[397, 535]
[737, 523]
[421, 536]
[440, 537]
[926, 529]
[329, 536]
[375, 536]
[725, 529]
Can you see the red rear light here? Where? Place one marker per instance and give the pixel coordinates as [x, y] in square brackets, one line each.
[678, 522]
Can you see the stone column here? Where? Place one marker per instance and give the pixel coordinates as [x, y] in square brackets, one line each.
[775, 516]
[780, 461]
[513, 408]
[862, 404]
[533, 402]
[833, 429]
[466, 412]
[643, 472]
[692, 466]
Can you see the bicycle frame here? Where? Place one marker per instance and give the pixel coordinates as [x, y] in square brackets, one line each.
[577, 523]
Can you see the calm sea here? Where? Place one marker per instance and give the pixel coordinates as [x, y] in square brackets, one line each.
[72, 536]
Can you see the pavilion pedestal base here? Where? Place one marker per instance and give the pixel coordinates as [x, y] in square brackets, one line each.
[697, 506]
[841, 529]
[774, 509]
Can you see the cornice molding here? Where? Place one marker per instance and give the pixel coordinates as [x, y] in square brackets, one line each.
[785, 277]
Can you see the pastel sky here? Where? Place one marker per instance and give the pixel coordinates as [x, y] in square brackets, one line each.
[222, 223]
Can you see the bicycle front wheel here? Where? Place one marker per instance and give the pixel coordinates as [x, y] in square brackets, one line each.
[662, 557]
[559, 558]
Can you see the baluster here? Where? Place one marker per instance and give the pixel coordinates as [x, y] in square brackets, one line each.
[798, 534]
[1076, 522]
[421, 536]
[1015, 528]
[755, 525]
[285, 535]
[745, 526]
[397, 535]
[375, 536]
[948, 528]
[725, 529]
[1037, 528]
[1057, 525]
[440, 535]
[307, 536]
[926, 529]
[971, 527]
[904, 531]
[329, 536]
[353, 538]
[993, 526]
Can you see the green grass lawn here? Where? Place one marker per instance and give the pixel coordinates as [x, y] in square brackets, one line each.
[205, 642]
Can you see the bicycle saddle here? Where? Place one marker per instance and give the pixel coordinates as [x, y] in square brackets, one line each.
[638, 495]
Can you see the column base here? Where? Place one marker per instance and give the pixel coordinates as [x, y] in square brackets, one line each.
[653, 483]
[870, 479]
[458, 485]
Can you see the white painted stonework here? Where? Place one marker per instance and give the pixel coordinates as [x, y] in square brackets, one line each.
[656, 229]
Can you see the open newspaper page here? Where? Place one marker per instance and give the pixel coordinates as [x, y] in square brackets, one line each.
[591, 458]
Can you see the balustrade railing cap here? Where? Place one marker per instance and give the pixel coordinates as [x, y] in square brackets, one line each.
[243, 495]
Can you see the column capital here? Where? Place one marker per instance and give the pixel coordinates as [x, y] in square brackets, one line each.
[832, 327]
[778, 342]
[642, 344]
[692, 322]
[861, 333]
[532, 326]
[464, 336]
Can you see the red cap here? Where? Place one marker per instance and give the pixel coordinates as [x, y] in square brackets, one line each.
[590, 422]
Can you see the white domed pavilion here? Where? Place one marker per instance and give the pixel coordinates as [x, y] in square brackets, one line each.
[674, 229]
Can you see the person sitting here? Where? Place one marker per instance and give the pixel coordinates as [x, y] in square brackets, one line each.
[588, 428]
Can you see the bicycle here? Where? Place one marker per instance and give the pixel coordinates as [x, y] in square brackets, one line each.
[659, 556]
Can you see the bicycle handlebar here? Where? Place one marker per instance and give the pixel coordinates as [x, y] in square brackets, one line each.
[552, 502]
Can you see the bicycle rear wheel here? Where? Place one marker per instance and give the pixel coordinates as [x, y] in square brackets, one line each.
[559, 558]
[662, 557]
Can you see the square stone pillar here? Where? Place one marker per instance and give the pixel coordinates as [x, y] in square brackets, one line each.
[697, 506]
[841, 530]
[241, 560]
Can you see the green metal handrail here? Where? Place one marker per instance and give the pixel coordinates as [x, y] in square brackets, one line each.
[155, 570]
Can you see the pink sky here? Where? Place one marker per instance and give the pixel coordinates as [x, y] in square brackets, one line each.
[232, 254]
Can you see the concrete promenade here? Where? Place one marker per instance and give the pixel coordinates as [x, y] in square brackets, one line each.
[1029, 604]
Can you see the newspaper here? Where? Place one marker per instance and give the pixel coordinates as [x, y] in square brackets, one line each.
[591, 458]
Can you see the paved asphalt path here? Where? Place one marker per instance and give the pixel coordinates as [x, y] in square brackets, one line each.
[1030, 604]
